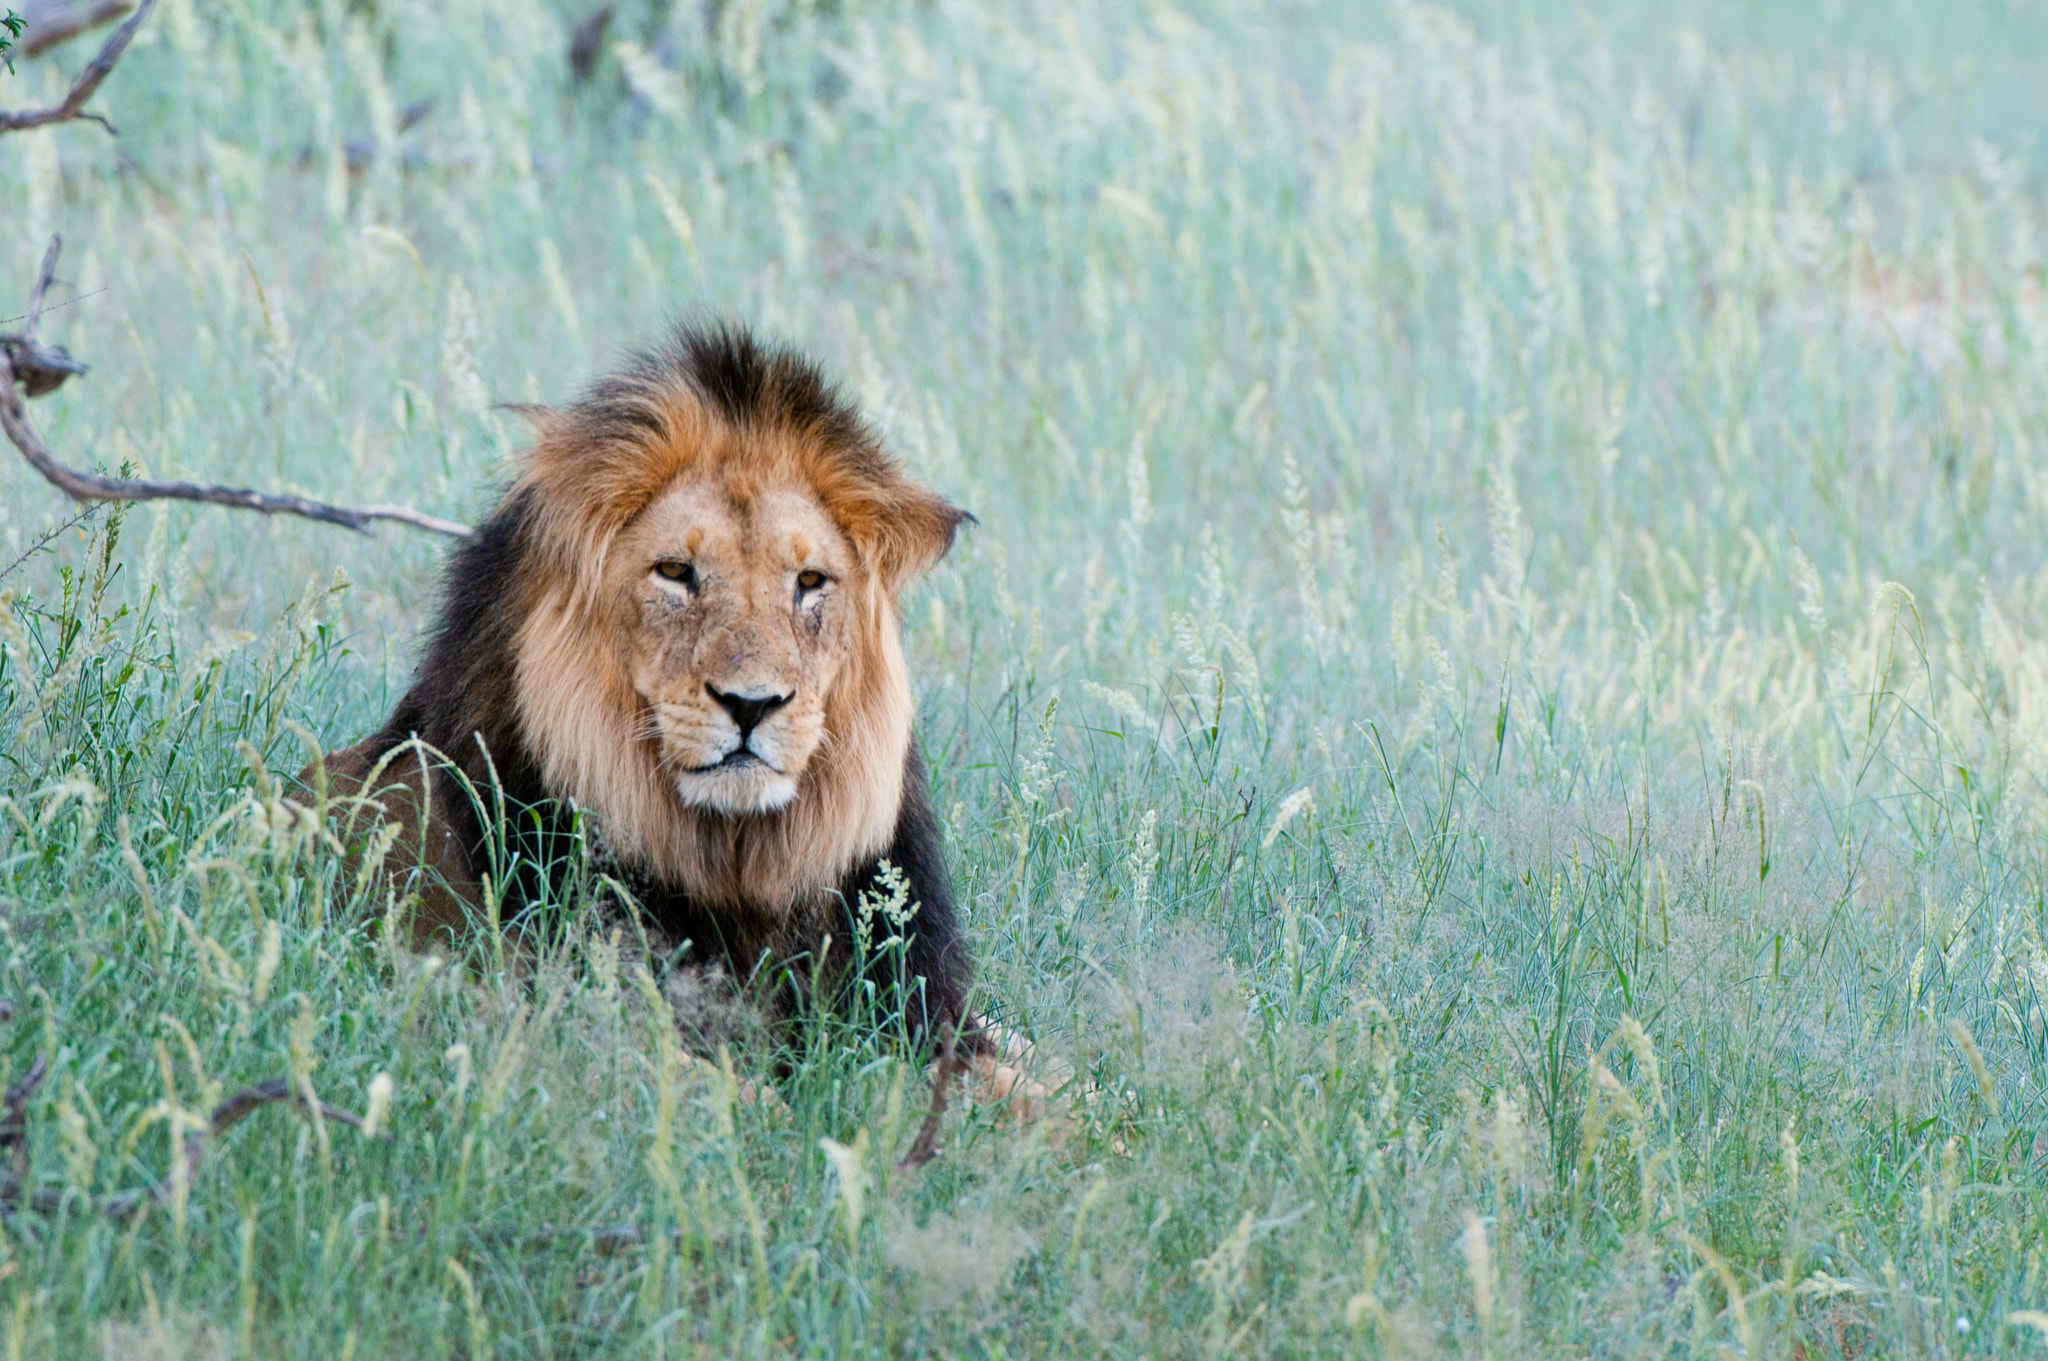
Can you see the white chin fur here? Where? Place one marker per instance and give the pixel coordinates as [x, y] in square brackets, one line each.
[737, 793]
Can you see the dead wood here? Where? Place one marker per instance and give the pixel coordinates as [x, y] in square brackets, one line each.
[72, 106]
[49, 22]
[925, 1146]
[586, 42]
[14, 1118]
[226, 1116]
[29, 367]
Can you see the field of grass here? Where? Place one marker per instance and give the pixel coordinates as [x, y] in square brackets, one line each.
[1497, 707]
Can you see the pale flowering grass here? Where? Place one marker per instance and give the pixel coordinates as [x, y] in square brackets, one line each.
[1496, 711]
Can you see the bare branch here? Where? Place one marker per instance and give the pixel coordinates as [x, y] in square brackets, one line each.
[22, 433]
[925, 1146]
[44, 278]
[586, 41]
[14, 1117]
[18, 1093]
[14, 1126]
[54, 21]
[87, 84]
[226, 1116]
[237, 1108]
[40, 368]
[608, 1239]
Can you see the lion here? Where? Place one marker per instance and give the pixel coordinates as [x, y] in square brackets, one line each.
[679, 629]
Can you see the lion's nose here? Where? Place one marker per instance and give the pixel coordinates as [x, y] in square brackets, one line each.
[746, 710]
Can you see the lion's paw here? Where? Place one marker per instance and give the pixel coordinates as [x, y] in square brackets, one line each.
[1012, 1076]
[747, 1092]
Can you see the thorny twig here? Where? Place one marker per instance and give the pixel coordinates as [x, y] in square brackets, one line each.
[40, 368]
[88, 82]
[226, 1116]
[72, 301]
[44, 278]
[42, 541]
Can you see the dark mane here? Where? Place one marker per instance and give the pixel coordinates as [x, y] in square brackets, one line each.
[751, 384]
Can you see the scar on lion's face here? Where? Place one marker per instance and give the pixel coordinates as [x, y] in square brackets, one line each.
[739, 609]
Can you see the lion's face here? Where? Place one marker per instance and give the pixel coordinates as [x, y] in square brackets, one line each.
[740, 615]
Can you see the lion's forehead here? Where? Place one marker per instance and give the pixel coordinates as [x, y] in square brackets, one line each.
[741, 632]
[768, 532]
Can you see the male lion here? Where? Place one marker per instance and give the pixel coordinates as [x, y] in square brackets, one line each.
[680, 622]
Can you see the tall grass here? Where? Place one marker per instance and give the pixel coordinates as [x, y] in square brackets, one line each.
[1498, 706]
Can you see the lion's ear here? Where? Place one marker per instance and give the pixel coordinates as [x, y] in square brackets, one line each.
[905, 531]
[537, 417]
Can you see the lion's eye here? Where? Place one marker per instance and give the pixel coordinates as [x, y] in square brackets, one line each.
[682, 573]
[809, 581]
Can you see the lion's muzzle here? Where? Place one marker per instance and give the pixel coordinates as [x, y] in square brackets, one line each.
[738, 750]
